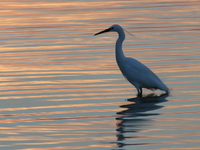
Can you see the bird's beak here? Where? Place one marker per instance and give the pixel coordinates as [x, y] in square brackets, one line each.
[106, 30]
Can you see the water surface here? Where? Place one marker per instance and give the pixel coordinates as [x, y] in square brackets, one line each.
[61, 88]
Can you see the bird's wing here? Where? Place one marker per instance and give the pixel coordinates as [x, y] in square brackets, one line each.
[136, 72]
[138, 66]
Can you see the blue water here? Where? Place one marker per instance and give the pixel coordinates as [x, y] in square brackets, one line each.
[61, 87]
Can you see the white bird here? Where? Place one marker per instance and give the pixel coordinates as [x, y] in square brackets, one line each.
[134, 71]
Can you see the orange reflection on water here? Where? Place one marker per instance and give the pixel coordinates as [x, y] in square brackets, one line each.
[54, 119]
[51, 140]
[60, 112]
[58, 81]
[62, 106]
[61, 95]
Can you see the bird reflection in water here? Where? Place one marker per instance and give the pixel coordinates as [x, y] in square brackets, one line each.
[136, 116]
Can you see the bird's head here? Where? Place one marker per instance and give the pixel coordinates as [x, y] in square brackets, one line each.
[113, 28]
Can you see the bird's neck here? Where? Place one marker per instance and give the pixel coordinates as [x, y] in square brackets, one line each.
[118, 48]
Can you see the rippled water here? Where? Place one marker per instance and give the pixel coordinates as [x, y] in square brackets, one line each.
[61, 87]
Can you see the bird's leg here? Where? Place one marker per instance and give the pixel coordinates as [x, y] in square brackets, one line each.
[139, 92]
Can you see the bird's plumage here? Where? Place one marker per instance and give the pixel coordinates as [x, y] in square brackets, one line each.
[141, 75]
[134, 71]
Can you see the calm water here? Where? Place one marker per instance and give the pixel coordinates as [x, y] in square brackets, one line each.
[62, 90]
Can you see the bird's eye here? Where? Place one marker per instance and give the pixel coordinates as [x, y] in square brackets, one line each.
[112, 28]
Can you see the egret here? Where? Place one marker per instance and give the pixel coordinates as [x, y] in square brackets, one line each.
[134, 71]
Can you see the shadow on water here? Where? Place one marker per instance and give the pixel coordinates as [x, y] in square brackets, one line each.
[135, 117]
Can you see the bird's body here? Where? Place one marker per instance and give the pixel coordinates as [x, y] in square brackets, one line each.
[134, 71]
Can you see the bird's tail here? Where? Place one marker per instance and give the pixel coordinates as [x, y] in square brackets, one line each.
[165, 88]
